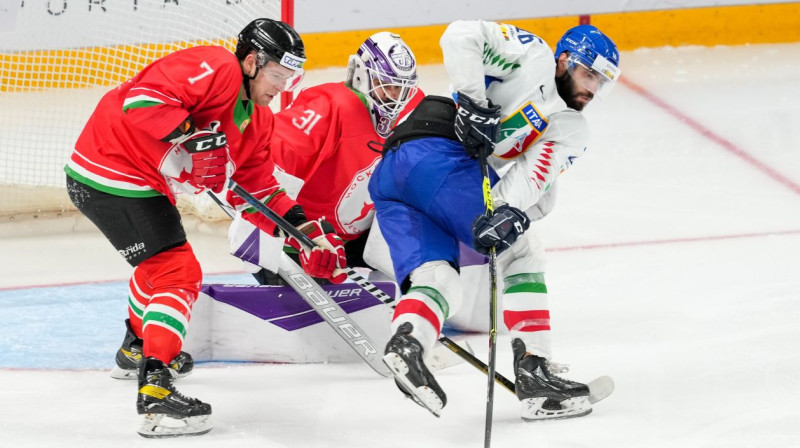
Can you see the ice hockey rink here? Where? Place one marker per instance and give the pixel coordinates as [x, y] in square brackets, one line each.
[673, 268]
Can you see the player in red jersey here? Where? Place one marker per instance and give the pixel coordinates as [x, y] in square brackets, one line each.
[186, 123]
[323, 142]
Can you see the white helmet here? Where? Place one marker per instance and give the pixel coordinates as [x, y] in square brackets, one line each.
[385, 71]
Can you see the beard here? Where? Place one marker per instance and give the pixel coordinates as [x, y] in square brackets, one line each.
[568, 91]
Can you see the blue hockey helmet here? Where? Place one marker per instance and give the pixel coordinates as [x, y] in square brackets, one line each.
[590, 48]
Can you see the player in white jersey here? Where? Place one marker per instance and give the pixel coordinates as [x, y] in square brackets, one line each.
[518, 105]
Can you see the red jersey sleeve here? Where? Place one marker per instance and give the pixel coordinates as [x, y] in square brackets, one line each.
[164, 93]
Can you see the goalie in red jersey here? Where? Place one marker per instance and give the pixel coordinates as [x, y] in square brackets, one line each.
[186, 123]
[321, 144]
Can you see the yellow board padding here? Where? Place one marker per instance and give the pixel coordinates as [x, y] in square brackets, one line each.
[732, 25]
[83, 67]
[726, 25]
[729, 25]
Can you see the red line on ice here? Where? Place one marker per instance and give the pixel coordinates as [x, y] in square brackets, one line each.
[709, 134]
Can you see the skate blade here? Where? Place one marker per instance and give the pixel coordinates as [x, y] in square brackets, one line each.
[124, 374]
[423, 396]
[600, 388]
[442, 357]
[159, 426]
[533, 410]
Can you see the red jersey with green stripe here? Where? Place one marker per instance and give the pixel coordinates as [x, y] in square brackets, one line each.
[120, 149]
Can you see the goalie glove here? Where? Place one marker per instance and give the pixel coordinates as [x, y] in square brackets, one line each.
[500, 230]
[477, 127]
[328, 259]
[209, 151]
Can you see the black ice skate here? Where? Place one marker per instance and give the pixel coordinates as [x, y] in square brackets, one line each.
[129, 357]
[403, 356]
[167, 412]
[545, 396]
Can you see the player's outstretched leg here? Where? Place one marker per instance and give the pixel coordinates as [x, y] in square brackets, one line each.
[544, 395]
[129, 358]
[404, 357]
[167, 412]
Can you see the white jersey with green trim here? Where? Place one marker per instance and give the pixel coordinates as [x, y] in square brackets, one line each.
[540, 136]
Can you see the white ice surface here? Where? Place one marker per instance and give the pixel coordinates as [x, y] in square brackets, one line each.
[673, 268]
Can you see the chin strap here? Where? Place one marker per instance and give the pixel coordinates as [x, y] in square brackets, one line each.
[247, 78]
[246, 81]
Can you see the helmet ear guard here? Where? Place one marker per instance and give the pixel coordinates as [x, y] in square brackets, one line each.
[357, 77]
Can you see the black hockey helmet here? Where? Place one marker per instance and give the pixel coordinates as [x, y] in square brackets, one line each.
[274, 41]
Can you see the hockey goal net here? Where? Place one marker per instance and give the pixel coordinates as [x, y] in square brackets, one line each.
[57, 58]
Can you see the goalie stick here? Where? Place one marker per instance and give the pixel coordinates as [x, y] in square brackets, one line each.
[305, 240]
[332, 313]
[599, 388]
[319, 300]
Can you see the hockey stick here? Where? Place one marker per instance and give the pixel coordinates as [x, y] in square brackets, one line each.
[322, 303]
[490, 372]
[332, 313]
[305, 240]
[599, 388]
[366, 284]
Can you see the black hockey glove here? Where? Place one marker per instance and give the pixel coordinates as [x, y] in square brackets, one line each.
[500, 231]
[477, 127]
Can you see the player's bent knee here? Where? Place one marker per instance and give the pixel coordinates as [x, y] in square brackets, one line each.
[174, 268]
[441, 276]
[525, 255]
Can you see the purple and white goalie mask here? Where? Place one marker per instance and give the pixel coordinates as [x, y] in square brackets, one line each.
[384, 71]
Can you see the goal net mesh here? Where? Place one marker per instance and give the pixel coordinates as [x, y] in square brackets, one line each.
[58, 57]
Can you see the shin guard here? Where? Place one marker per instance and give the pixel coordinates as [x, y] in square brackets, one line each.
[172, 280]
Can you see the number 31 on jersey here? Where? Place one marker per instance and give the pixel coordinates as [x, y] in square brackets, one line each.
[307, 121]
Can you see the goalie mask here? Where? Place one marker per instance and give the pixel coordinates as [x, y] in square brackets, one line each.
[384, 71]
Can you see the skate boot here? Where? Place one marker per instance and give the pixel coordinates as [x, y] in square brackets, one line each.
[545, 396]
[403, 356]
[129, 357]
[167, 412]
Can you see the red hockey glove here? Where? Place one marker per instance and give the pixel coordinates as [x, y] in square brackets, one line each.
[209, 151]
[328, 259]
